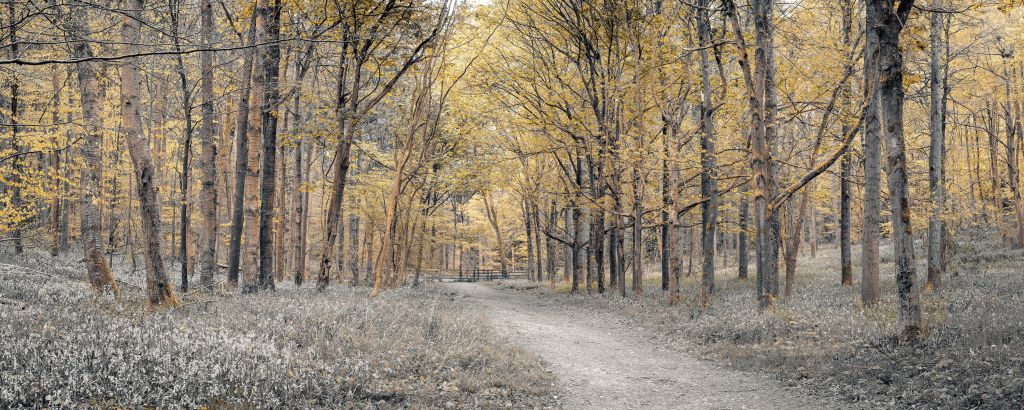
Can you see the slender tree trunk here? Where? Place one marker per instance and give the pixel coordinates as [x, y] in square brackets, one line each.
[708, 176]
[870, 286]
[17, 163]
[846, 164]
[186, 150]
[298, 195]
[241, 158]
[347, 102]
[763, 129]
[492, 218]
[208, 195]
[158, 287]
[529, 240]
[353, 237]
[937, 119]
[743, 260]
[269, 28]
[666, 237]
[55, 169]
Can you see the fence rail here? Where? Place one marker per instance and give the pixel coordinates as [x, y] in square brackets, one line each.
[475, 275]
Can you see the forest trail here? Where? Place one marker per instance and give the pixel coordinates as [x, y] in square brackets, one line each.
[600, 362]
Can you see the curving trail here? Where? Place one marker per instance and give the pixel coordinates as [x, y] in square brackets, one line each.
[602, 363]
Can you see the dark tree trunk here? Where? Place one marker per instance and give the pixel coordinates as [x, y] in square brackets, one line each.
[708, 175]
[887, 24]
[846, 164]
[270, 59]
[186, 150]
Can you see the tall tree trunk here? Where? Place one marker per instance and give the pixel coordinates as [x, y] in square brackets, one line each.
[17, 163]
[347, 101]
[870, 286]
[937, 120]
[269, 31]
[186, 150]
[207, 162]
[887, 24]
[55, 169]
[298, 194]
[846, 164]
[708, 175]
[766, 220]
[100, 276]
[666, 242]
[158, 287]
[241, 158]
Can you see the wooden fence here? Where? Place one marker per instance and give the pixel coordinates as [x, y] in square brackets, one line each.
[475, 275]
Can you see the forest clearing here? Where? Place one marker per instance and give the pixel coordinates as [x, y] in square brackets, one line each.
[511, 204]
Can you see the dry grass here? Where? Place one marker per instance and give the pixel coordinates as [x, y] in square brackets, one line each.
[292, 348]
[821, 338]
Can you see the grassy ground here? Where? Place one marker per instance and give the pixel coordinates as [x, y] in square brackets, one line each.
[294, 348]
[820, 337]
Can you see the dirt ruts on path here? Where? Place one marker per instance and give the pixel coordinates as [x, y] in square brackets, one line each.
[602, 363]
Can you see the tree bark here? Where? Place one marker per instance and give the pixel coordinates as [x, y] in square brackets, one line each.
[846, 164]
[186, 150]
[241, 158]
[708, 175]
[268, 31]
[870, 286]
[208, 165]
[888, 23]
[937, 119]
[17, 165]
[158, 287]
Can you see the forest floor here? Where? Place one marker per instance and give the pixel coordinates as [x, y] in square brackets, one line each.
[62, 346]
[819, 340]
[603, 362]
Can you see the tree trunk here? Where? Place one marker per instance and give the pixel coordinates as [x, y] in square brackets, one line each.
[353, 237]
[241, 158]
[55, 169]
[268, 31]
[743, 254]
[347, 102]
[887, 24]
[529, 240]
[846, 164]
[298, 195]
[492, 218]
[17, 163]
[763, 125]
[186, 150]
[937, 119]
[158, 287]
[708, 175]
[208, 195]
[870, 286]
[666, 242]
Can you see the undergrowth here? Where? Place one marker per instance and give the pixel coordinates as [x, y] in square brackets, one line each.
[821, 338]
[296, 348]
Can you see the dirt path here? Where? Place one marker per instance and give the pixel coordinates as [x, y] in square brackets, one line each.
[602, 363]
